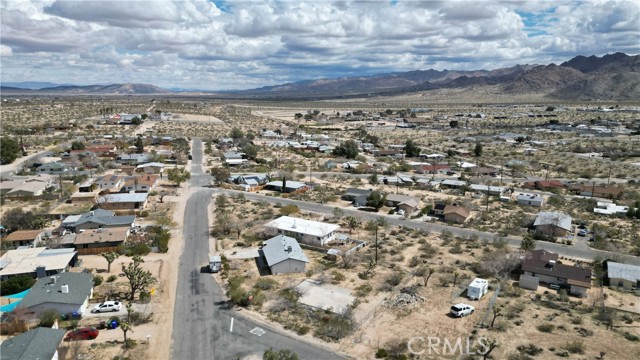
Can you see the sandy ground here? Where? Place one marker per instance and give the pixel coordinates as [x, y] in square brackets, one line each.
[198, 118]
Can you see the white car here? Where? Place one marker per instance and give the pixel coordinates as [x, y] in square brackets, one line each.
[460, 310]
[107, 306]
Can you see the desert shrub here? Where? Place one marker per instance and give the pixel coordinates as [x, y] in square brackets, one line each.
[112, 278]
[394, 279]
[583, 332]
[381, 353]
[546, 328]
[575, 347]
[337, 277]
[530, 349]
[289, 209]
[631, 337]
[334, 327]
[414, 261]
[265, 284]
[97, 280]
[363, 290]
[48, 318]
[576, 320]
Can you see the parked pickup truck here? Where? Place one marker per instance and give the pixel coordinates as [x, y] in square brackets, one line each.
[215, 263]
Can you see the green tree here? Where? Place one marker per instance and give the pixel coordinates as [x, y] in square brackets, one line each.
[178, 175]
[376, 199]
[139, 279]
[125, 326]
[144, 116]
[478, 150]
[136, 120]
[220, 174]
[373, 179]
[236, 133]
[110, 256]
[77, 145]
[283, 354]
[18, 219]
[9, 150]
[348, 149]
[16, 284]
[411, 149]
[139, 144]
[298, 116]
[352, 222]
[528, 243]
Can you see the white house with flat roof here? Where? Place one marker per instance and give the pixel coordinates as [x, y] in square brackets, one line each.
[623, 275]
[306, 231]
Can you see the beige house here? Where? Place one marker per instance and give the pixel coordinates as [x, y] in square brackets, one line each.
[544, 266]
[623, 275]
[456, 214]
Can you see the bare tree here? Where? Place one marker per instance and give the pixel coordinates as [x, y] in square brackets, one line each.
[491, 345]
[497, 312]
[110, 257]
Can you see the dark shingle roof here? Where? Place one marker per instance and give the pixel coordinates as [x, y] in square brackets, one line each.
[40, 343]
[45, 291]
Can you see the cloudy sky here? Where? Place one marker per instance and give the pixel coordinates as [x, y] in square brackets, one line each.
[232, 44]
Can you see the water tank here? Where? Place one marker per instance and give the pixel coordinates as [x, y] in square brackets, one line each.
[64, 289]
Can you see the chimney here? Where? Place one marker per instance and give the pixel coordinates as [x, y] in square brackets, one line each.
[64, 289]
[53, 280]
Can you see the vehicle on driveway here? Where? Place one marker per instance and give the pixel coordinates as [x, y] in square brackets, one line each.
[107, 306]
[88, 333]
[582, 232]
[460, 310]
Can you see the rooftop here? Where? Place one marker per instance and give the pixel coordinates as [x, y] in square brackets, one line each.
[46, 290]
[22, 235]
[302, 226]
[558, 219]
[544, 262]
[130, 197]
[25, 261]
[623, 271]
[115, 234]
[281, 248]
[39, 343]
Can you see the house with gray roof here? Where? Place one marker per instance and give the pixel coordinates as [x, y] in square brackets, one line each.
[623, 275]
[358, 197]
[98, 218]
[40, 343]
[129, 201]
[283, 255]
[530, 200]
[52, 168]
[68, 292]
[552, 223]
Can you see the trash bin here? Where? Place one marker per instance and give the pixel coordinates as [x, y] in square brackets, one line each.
[114, 324]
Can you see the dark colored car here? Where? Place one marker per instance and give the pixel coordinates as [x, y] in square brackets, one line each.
[82, 334]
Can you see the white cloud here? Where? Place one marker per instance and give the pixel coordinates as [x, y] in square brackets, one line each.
[256, 43]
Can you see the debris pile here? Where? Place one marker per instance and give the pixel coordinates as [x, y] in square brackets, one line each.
[407, 296]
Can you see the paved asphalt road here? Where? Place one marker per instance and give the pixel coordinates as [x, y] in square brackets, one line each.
[202, 327]
[580, 252]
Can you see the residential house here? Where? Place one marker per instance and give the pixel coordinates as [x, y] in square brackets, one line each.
[45, 179]
[438, 209]
[306, 231]
[392, 153]
[441, 169]
[544, 185]
[492, 190]
[252, 180]
[27, 190]
[283, 255]
[134, 159]
[150, 168]
[552, 223]
[52, 168]
[103, 150]
[84, 198]
[40, 343]
[66, 293]
[403, 202]
[427, 184]
[597, 191]
[96, 219]
[29, 238]
[483, 171]
[144, 183]
[357, 197]
[456, 214]
[290, 186]
[606, 208]
[450, 183]
[97, 241]
[129, 201]
[530, 200]
[110, 182]
[623, 275]
[36, 262]
[396, 180]
[543, 266]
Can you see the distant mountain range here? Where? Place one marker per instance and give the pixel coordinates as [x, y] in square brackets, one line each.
[610, 77]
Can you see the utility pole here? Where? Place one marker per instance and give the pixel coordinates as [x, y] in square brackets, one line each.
[376, 243]
[609, 179]
[488, 196]
[501, 171]
[310, 172]
[593, 189]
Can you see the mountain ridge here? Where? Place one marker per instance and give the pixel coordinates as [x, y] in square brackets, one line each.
[609, 77]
